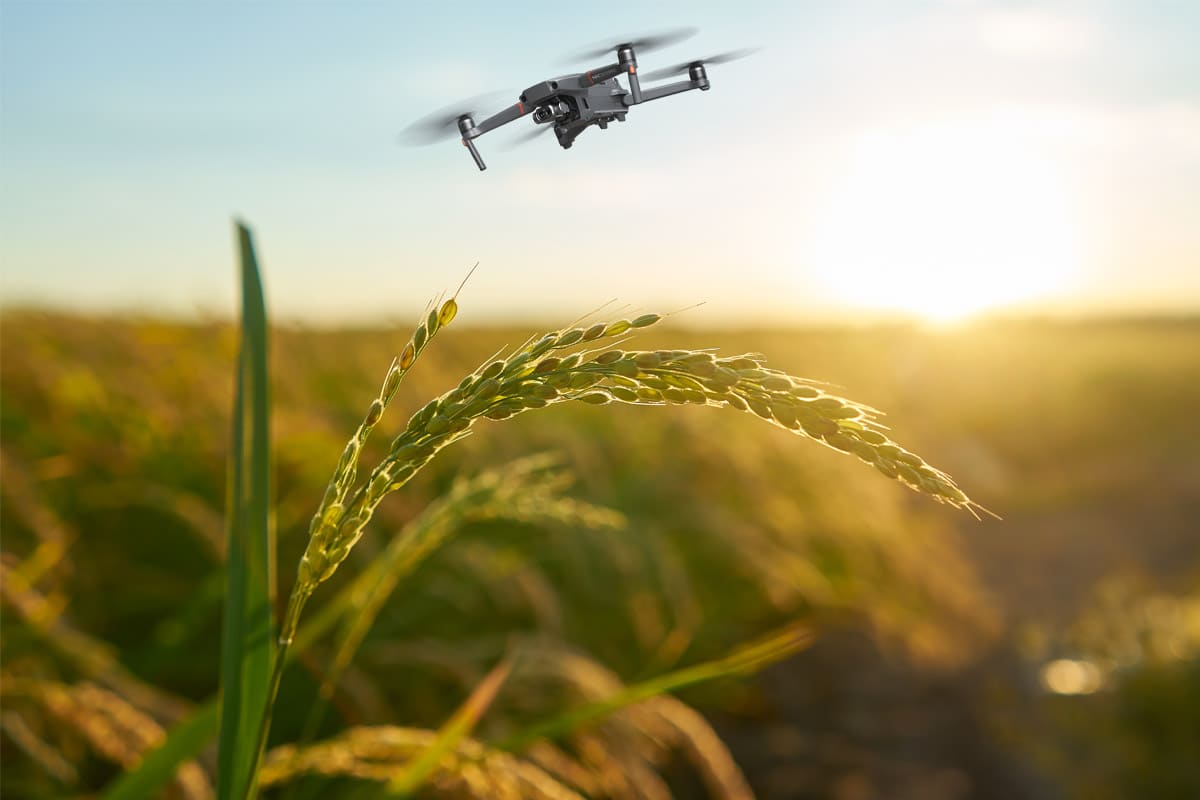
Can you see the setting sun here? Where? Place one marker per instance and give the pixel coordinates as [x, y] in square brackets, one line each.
[948, 219]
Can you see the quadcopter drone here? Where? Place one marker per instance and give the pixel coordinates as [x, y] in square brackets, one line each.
[570, 104]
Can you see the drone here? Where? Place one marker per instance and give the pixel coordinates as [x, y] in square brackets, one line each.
[570, 104]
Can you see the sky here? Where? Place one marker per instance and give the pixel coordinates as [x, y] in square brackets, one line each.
[935, 159]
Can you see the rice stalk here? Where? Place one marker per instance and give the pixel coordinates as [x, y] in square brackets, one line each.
[382, 753]
[566, 365]
[527, 490]
[112, 727]
[585, 365]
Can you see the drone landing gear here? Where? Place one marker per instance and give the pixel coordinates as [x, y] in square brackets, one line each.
[466, 126]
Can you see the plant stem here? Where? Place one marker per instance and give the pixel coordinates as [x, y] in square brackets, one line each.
[291, 621]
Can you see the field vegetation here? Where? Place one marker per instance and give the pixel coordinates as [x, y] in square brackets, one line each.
[845, 637]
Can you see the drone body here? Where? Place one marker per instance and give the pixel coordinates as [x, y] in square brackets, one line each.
[570, 104]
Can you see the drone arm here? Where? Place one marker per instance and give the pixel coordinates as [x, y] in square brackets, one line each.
[658, 92]
[513, 112]
[470, 131]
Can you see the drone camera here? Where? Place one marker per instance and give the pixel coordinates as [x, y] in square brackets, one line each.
[550, 112]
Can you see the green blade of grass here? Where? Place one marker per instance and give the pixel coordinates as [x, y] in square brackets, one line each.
[459, 725]
[183, 743]
[247, 640]
[745, 660]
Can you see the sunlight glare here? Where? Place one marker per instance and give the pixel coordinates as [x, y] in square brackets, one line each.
[947, 219]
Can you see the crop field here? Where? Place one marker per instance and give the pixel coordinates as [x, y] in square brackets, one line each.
[912, 650]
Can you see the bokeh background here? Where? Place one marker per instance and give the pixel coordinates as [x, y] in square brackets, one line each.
[977, 217]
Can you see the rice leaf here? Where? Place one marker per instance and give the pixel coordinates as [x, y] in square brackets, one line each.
[745, 660]
[247, 640]
[457, 727]
[158, 766]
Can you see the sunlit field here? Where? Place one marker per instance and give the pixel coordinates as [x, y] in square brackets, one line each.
[1053, 653]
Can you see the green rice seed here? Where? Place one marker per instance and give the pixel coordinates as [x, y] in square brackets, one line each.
[408, 356]
[827, 404]
[392, 381]
[838, 440]
[652, 395]
[546, 365]
[724, 375]
[647, 360]
[595, 398]
[775, 383]
[570, 337]
[545, 344]
[626, 368]
[492, 370]
[623, 393]
[374, 413]
[487, 388]
[908, 475]
[887, 468]
[738, 364]
[818, 427]
[448, 313]
[432, 322]
[617, 328]
[438, 424]
[736, 401]
[785, 415]
[872, 437]
[609, 357]
[594, 332]
[645, 320]
[759, 407]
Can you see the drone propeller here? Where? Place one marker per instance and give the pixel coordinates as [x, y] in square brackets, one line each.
[528, 136]
[640, 42]
[443, 124]
[720, 58]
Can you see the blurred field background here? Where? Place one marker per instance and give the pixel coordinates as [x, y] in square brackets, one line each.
[1053, 654]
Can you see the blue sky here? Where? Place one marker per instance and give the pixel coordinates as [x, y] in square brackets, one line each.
[925, 157]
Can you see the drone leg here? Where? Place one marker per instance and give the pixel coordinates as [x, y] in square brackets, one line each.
[470, 145]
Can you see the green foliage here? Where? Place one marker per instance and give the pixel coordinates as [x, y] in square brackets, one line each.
[121, 429]
[248, 629]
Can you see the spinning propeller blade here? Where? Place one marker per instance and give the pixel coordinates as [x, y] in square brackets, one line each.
[720, 58]
[528, 136]
[443, 124]
[641, 43]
